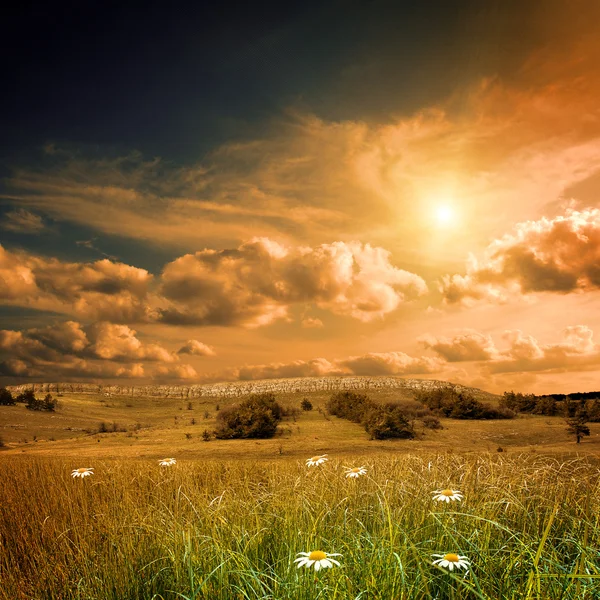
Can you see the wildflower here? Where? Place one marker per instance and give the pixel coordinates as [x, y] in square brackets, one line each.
[356, 472]
[321, 560]
[449, 561]
[316, 460]
[447, 495]
[82, 472]
[167, 462]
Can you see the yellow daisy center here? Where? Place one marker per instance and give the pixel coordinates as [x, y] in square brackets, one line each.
[447, 493]
[82, 470]
[355, 470]
[317, 555]
[451, 557]
[316, 458]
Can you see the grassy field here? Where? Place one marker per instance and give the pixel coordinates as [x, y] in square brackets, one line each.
[227, 521]
[155, 427]
[222, 530]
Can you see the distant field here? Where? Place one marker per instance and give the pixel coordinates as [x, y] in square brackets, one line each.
[161, 426]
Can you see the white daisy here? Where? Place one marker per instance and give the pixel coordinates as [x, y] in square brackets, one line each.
[355, 472]
[82, 472]
[316, 460]
[167, 462]
[450, 561]
[321, 560]
[447, 495]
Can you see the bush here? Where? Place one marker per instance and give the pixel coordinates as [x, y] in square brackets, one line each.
[255, 417]
[6, 398]
[348, 405]
[431, 422]
[385, 422]
[25, 397]
[306, 404]
[447, 402]
[47, 404]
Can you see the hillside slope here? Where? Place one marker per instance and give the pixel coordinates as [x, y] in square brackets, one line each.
[240, 388]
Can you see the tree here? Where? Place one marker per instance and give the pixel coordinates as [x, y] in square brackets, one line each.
[385, 422]
[577, 427]
[26, 397]
[6, 398]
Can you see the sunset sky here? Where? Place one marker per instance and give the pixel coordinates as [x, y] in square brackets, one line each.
[250, 191]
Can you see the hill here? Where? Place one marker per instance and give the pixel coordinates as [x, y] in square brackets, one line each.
[241, 388]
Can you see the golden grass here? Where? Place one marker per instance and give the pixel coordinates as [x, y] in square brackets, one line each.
[228, 530]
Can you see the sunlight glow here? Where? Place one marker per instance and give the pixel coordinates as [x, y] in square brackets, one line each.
[444, 215]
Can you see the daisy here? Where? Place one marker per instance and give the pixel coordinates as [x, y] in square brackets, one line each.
[321, 560]
[316, 460]
[447, 495]
[167, 462]
[449, 561]
[82, 472]
[356, 472]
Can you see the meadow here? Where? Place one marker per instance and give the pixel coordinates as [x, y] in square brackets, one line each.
[229, 518]
[224, 530]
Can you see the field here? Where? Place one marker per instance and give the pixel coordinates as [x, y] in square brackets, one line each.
[228, 520]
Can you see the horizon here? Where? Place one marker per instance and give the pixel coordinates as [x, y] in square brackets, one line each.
[320, 189]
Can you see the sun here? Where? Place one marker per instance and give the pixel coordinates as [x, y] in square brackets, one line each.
[444, 215]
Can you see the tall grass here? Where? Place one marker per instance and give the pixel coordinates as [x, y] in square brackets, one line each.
[230, 530]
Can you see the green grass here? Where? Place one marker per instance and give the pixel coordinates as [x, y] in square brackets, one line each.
[222, 530]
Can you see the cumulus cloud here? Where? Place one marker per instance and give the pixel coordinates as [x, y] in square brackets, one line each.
[576, 351]
[559, 255]
[196, 348]
[101, 290]
[467, 345]
[22, 221]
[70, 349]
[256, 283]
[179, 372]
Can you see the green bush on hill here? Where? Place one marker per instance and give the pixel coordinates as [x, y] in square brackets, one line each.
[255, 417]
[447, 402]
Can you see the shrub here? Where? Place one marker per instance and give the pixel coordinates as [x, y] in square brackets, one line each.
[206, 435]
[348, 405]
[25, 397]
[255, 417]
[47, 404]
[385, 422]
[431, 422]
[447, 402]
[6, 398]
[306, 404]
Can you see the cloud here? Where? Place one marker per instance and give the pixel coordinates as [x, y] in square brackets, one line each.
[101, 290]
[372, 363]
[256, 283]
[577, 351]
[196, 348]
[70, 349]
[468, 345]
[312, 323]
[178, 372]
[22, 221]
[559, 255]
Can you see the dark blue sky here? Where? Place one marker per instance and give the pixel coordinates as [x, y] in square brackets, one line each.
[173, 80]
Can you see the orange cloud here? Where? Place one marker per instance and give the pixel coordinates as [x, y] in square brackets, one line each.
[196, 348]
[71, 350]
[468, 345]
[102, 290]
[256, 283]
[22, 221]
[560, 255]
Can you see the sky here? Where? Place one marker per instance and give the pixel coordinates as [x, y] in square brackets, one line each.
[227, 192]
